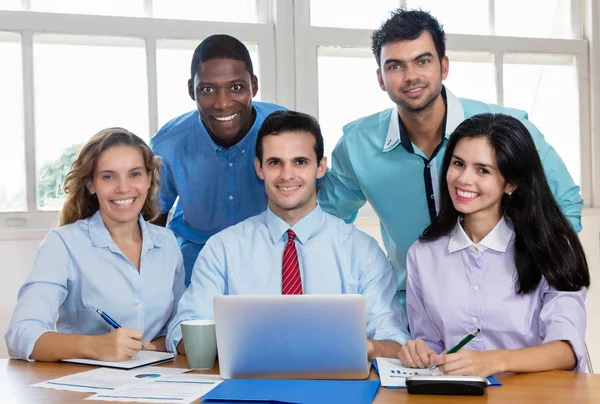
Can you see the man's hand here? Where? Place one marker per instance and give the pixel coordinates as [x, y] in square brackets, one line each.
[416, 354]
[469, 363]
[119, 345]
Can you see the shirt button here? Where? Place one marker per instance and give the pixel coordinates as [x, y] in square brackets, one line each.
[231, 197]
[230, 164]
[475, 288]
[475, 249]
[139, 305]
[431, 196]
[473, 320]
[243, 151]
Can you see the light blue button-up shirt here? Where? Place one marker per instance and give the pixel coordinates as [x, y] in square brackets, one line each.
[79, 268]
[455, 286]
[334, 258]
[375, 161]
[215, 187]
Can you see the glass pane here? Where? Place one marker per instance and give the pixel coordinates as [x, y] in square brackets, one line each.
[222, 10]
[472, 75]
[338, 13]
[12, 154]
[83, 85]
[362, 97]
[534, 18]
[10, 4]
[130, 8]
[452, 16]
[173, 62]
[546, 87]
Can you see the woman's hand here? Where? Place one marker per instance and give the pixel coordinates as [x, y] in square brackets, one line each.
[119, 345]
[416, 354]
[469, 363]
[159, 344]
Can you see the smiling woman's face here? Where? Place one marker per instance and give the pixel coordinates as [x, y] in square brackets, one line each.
[475, 183]
[121, 182]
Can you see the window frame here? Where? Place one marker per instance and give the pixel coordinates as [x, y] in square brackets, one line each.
[266, 34]
[309, 38]
[288, 47]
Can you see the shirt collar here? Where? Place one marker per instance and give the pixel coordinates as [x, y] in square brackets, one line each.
[454, 116]
[243, 144]
[497, 239]
[100, 236]
[303, 228]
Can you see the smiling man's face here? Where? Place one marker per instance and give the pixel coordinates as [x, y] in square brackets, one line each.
[223, 90]
[290, 170]
[411, 72]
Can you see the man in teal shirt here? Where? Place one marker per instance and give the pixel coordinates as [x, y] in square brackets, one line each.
[392, 158]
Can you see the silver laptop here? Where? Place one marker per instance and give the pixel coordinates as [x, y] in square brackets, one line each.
[292, 337]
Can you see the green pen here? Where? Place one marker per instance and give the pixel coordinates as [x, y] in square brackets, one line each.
[466, 339]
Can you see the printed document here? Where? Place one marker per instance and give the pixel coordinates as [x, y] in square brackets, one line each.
[183, 388]
[392, 372]
[103, 379]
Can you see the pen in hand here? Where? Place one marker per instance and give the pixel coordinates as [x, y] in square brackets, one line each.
[107, 318]
[466, 339]
[110, 321]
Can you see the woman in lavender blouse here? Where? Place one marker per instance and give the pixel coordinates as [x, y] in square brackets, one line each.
[500, 257]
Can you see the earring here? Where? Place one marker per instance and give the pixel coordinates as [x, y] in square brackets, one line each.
[510, 193]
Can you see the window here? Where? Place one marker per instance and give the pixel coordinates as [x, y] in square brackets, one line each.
[346, 93]
[84, 73]
[472, 75]
[535, 72]
[546, 87]
[452, 16]
[67, 75]
[536, 18]
[12, 152]
[223, 10]
[130, 8]
[103, 86]
[10, 4]
[337, 13]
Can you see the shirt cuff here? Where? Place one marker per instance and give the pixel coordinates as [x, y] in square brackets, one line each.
[400, 336]
[173, 338]
[21, 341]
[561, 332]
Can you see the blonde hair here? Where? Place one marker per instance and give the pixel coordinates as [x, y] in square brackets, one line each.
[79, 203]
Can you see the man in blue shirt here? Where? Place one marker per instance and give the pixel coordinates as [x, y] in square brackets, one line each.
[392, 158]
[208, 153]
[332, 257]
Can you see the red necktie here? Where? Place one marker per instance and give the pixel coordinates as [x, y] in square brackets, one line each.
[291, 283]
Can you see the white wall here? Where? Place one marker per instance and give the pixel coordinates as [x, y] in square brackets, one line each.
[16, 259]
[18, 254]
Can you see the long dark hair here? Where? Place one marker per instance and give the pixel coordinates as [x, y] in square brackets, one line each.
[545, 242]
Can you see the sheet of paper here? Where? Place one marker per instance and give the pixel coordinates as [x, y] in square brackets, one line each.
[103, 379]
[393, 374]
[141, 359]
[183, 389]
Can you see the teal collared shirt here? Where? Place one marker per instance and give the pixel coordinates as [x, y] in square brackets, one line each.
[79, 269]
[368, 165]
[334, 258]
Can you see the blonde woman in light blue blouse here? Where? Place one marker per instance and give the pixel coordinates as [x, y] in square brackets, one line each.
[103, 256]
